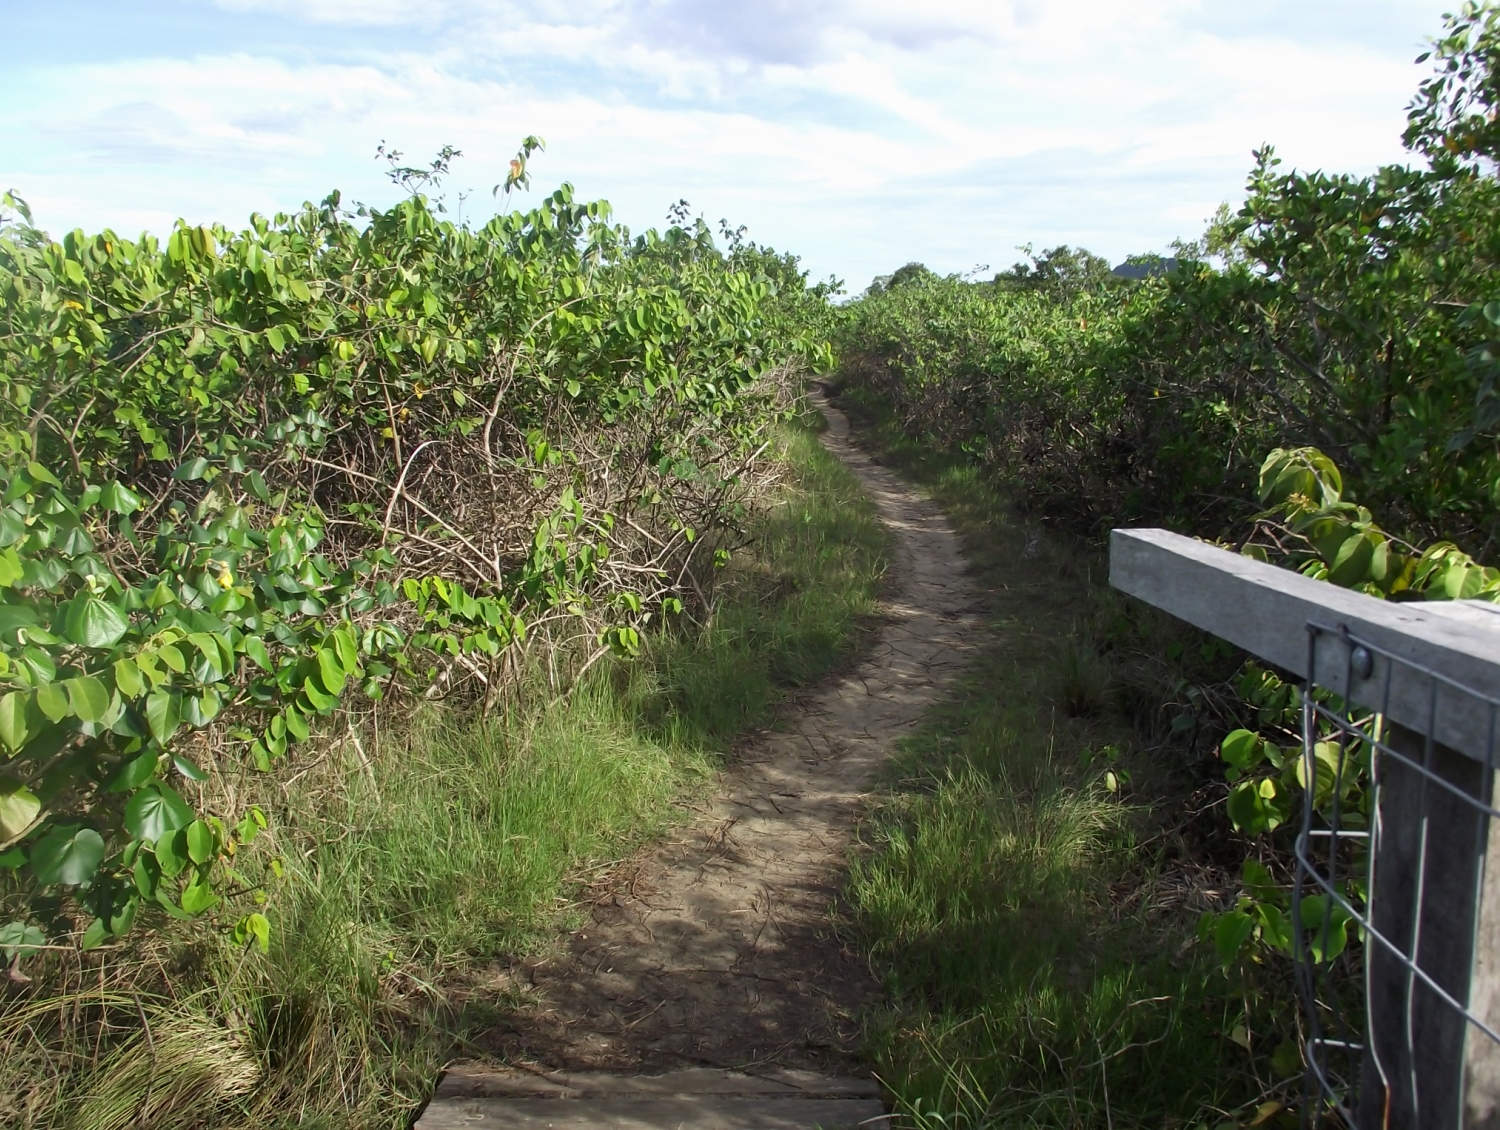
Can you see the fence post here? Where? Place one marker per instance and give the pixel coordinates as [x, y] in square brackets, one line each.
[1482, 1056]
[1419, 684]
[1428, 856]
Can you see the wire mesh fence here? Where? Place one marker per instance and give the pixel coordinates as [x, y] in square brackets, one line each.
[1393, 935]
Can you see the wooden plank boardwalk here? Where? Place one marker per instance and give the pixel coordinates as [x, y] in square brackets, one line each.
[691, 1099]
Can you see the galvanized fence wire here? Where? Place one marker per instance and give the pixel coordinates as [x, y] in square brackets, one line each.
[1367, 1007]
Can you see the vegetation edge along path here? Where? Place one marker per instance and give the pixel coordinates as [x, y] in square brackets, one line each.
[716, 948]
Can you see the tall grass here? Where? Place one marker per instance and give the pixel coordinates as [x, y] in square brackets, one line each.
[1006, 885]
[415, 861]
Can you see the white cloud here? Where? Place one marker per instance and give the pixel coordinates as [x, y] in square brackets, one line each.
[860, 134]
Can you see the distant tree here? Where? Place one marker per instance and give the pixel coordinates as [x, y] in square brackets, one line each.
[1061, 271]
[902, 276]
[1223, 240]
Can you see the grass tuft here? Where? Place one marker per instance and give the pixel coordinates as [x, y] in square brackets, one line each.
[1004, 883]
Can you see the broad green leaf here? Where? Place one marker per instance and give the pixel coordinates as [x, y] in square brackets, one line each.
[201, 709]
[254, 926]
[163, 714]
[52, 700]
[198, 896]
[118, 921]
[39, 663]
[256, 650]
[88, 697]
[252, 824]
[95, 935]
[155, 812]
[188, 769]
[1350, 565]
[331, 671]
[192, 470]
[1231, 932]
[261, 755]
[153, 674]
[73, 542]
[348, 651]
[42, 475]
[1275, 927]
[128, 678]
[201, 845]
[164, 901]
[296, 724]
[212, 668]
[171, 853]
[1242, 749]
[18, 808]
[67, 856]
[20, 939]
[14, 729]
[172, 657]
[120, 498]
[93, 623]
[135, 772]
[1250, 811]
[45, 573]
[317, 696]
[12, 528]
[146, 874]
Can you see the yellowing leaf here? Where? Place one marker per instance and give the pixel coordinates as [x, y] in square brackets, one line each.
[19, 806]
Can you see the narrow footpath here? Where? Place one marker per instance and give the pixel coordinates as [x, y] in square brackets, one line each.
[712, 989]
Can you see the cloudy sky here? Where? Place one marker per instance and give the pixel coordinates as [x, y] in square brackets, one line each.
[858, 133]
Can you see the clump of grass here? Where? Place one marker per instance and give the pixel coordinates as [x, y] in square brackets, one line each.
[1082, 679]
[414, 861]
[1002, 887]
[180, 1063]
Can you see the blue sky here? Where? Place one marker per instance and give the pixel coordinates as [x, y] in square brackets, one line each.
[860, 134]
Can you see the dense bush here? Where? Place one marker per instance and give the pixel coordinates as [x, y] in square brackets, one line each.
[247, 478]
[1351, 314]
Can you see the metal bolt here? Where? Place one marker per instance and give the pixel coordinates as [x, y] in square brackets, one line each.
[1361, 661]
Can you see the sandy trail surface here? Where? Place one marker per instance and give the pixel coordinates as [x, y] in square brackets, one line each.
[720, 947]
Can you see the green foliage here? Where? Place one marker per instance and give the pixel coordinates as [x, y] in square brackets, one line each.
[1452, 119]
[249, 477]
[1313, 527]
[1061, 272]
[901, 276]
[1345, 313]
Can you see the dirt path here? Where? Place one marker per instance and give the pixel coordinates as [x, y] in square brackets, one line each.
[720, 948]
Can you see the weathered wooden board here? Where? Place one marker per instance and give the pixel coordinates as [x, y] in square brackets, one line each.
[1266, 610]
[697, 1098]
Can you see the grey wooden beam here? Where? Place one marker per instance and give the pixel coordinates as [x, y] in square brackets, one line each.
[1266, 611]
